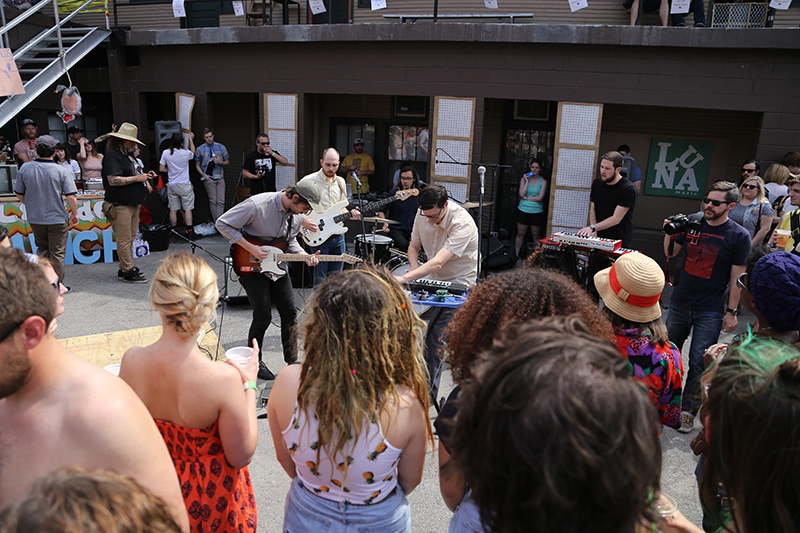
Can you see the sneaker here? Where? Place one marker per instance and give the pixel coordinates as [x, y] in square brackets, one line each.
[292, 361]
[264, 372]
[687, 422]
[133, 276]
[121, 272]
[700, 25]
[680, 25]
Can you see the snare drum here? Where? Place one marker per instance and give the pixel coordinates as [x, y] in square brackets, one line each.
[398, 266]
[381, 244]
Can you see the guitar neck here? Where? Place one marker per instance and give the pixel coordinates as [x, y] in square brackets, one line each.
[303, 257]
[367, 208]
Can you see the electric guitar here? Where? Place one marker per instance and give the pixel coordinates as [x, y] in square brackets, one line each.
[328, 221]
[245, 264]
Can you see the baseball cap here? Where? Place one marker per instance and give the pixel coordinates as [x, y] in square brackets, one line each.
[775, 286]
[358, 140]
[74, 129]
[27, 122]
[307, 190]
[46, 140]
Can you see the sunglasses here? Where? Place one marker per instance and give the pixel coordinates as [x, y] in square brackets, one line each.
[715, 203]
[264, 144]
[741, 281]
[6, 334]
[748, 170]
[748, 186]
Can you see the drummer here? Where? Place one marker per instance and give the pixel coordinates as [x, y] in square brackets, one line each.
[402, 211]
[450, 239]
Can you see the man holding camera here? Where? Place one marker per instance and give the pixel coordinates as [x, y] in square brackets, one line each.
[709, 260]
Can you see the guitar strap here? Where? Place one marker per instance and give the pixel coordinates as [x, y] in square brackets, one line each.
[289, 226]
[339, 183]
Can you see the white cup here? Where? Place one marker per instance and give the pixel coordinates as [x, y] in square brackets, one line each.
[114, 369]
[240, 354]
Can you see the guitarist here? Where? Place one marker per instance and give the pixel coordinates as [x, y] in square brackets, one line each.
[331, 190]
[270, 216]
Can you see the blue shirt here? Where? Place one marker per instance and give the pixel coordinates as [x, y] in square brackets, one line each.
[204, 155]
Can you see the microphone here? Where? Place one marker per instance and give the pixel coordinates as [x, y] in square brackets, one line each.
[355, 177]
[482, 175]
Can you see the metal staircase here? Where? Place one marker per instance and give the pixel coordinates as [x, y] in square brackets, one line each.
[43, 60]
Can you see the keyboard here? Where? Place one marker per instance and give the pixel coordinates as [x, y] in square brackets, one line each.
[594, 243]
[432, 285]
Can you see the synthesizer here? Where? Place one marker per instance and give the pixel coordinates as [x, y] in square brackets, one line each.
[432, 285]
[593, 243]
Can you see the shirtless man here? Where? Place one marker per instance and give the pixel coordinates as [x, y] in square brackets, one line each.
[57, 410]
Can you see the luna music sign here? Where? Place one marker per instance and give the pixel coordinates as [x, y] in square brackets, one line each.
[678, 167]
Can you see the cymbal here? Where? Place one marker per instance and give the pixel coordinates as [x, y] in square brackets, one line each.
[473, 205]
[379, 220]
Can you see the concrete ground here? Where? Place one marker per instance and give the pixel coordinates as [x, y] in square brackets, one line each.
[99, 303]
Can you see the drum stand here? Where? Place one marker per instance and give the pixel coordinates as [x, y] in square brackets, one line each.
[360, 205]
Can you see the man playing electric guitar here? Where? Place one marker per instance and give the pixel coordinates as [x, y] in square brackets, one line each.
[331, 190]
[270, 216]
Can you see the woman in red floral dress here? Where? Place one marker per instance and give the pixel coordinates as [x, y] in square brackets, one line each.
[205, 410]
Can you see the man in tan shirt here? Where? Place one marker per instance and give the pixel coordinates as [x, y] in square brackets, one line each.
[449, 237]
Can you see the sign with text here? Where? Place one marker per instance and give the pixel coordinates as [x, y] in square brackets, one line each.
[10, 82]
[678, 167]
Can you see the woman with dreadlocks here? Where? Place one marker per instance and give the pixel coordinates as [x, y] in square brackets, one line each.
[351, 425]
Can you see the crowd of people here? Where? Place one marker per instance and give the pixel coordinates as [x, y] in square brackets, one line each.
[558, 406]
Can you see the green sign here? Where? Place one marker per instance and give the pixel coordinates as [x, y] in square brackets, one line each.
[678, 167]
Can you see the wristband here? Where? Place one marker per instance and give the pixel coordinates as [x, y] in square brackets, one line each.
[250, 385]
[593, 227]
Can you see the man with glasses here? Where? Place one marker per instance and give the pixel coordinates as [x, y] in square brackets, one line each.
[449, 237]
[259, 166]
[750, 168]
[708, 266]
[57, 410]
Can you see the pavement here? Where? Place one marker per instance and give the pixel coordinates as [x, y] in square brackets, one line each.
[100, 303]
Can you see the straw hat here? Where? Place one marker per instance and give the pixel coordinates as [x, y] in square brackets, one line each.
[632, 287]
[127, 131]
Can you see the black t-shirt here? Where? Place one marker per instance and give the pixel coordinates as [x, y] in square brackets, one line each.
[606, 198]
[255, 162]
[115, 163]
[73, 149]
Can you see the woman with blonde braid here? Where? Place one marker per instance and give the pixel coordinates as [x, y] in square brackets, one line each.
[205, 410]
[351, 425]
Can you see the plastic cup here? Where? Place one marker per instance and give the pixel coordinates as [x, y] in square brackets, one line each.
[114, 369]
[240, 354]
[782, 237]
[665, 505]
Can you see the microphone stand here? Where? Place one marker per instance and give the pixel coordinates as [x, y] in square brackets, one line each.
[226, 261]
[363, 224]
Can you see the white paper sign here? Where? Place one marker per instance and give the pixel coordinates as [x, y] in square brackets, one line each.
[780, 4]
[575, 5]
[317, 6]
[178, 9]
[490, 4]
[378, 4]
[238, 8]
[679, 7]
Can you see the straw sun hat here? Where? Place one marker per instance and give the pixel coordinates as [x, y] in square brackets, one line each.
[632, 287]
[127, 131]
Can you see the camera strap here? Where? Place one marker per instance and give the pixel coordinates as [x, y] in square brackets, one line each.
[670, 249]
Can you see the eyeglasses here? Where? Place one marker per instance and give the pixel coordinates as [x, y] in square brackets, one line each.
[432, 217]
[748, 186]
[748, 170]
[6, 334]
[715, 203]
[741, 282]
[57, 286]
[264, 144]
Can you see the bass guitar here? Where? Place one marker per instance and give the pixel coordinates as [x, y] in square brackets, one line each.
[328, 221]
[245, 264]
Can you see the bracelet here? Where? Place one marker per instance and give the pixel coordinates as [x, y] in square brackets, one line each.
[250, 385]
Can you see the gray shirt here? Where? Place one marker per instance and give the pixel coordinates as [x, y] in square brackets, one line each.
[44, 183]
[261, 216]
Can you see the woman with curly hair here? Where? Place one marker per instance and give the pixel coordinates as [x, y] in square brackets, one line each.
[493, 305]
[206, 411]
[351, 425]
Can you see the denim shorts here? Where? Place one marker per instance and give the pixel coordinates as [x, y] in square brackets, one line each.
[306, 512]
[467, 518]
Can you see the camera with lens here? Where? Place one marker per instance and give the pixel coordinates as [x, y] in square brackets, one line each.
[681, 223]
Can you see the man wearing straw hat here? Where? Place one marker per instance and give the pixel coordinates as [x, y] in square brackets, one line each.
[126, 188]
